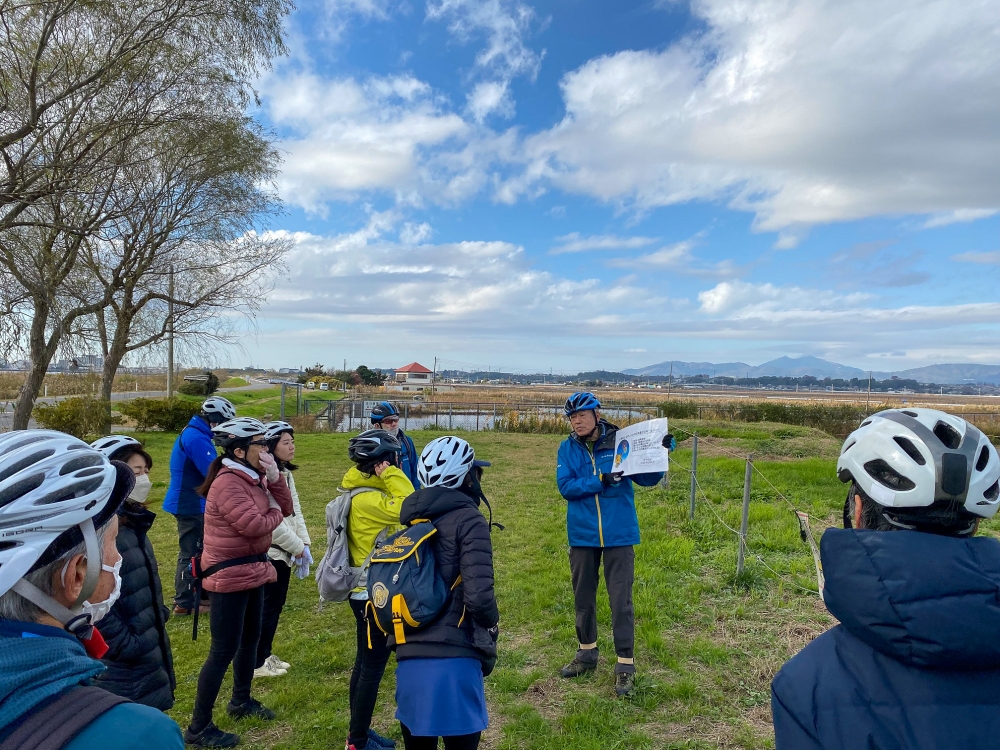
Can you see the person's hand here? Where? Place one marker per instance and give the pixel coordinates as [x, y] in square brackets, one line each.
[610, 480]
[269, 466]
[669, 442]
[379, 468]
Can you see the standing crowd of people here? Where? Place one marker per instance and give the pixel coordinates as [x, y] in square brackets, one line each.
[86, 661]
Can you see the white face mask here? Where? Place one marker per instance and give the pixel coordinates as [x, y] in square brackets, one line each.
[100, 610]
[140, 493]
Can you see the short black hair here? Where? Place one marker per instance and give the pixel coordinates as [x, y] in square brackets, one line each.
[124, 453]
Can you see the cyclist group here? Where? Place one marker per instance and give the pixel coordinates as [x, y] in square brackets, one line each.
[85, 660]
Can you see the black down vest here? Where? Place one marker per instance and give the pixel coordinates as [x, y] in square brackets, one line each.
[139, 663]
[462, 546]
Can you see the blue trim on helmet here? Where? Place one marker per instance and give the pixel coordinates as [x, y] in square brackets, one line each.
[581, 401]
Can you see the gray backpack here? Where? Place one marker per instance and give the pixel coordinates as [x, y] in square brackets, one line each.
[335, 577]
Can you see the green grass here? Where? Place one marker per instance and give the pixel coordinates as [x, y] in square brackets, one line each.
[234, 383]
[265, 403]
[707, 644]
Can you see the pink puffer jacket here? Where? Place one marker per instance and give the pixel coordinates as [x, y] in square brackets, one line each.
[238, 522]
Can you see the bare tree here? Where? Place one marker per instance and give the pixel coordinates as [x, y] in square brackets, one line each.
[87, 88]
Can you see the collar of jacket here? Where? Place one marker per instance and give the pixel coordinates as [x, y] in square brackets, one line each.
[245, 472]
[433, 502]
[199, 423]
[608, 431]
[137, 517]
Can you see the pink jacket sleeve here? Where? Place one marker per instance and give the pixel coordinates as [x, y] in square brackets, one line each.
[240, 511]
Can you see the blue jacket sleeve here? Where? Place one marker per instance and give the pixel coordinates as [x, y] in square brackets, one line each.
[573, 483]
[412, 450]
[199, 449]
[647, 480]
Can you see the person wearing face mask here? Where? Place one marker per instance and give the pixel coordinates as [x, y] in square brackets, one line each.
[246, 499]
[140, 664]
[289, 551]
[385, 416]
[57, 583]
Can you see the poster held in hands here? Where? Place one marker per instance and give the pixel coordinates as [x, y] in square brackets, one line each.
[639, 448]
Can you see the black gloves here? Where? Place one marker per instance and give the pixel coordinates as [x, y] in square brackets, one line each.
[610, 480]
[669, 442]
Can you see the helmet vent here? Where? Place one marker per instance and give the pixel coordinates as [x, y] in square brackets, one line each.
[984, 458]
[4, 546]
[887, 476]
[848, 447]
[25, 463]
[866, 423]
[910, 449]
[909, 413]
[947, 435]
[83, 462]
[21, 488]
[991, 494]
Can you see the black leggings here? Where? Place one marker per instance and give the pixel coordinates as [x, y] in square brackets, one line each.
[235, 623]
[369, 666]
[274, 600]
[458, 742]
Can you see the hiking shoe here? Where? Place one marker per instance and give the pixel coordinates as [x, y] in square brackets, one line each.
[268, 671]
[277, 663]
[185, 611]
[576, 668]
[211, 736]
[624, 684]
[376, 740]
[252, 709]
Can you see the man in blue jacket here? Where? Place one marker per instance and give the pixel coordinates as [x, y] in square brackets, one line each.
[601, 522]
[192, 454]
[56, 583]
[385, 416]
[915, 660]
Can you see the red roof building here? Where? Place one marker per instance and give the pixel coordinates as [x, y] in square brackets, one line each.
[414, 367]
[412, 377]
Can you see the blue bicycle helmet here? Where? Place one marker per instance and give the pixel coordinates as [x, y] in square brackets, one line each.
[382, 410]
[581, 401]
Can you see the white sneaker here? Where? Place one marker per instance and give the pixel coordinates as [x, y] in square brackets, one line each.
[277, 663]
[268, 670]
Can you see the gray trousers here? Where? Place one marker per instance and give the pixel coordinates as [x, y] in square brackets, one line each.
[619, 574]
[190, 533]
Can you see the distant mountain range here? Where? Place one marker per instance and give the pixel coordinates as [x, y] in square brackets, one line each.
[820, 368]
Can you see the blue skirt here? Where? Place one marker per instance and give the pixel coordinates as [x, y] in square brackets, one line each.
[441, 697]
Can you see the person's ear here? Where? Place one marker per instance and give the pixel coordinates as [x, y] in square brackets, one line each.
[857, 512]
[238, 451]
[71, 584]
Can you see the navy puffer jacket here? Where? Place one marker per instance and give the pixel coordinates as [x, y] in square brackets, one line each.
[139, 662]
[915, 662]
[461, 546]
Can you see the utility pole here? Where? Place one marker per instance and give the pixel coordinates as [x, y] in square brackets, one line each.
[170, 331]
[434, 376]
[670, 378]
[868, 403]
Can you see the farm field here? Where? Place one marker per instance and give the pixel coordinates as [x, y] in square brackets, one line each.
[707, 643]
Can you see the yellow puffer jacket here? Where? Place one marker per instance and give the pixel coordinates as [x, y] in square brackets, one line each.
[373, 511]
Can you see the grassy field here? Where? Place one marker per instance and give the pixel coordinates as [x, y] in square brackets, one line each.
[265, 403]
[707, 642]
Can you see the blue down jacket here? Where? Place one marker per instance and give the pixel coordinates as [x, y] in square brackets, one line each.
[598, 516]
[915, 662]
[190, 458]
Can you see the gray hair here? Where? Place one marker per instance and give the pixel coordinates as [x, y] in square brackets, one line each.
[13, 606]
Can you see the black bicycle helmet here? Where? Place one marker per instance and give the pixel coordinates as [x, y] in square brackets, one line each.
[372, 445]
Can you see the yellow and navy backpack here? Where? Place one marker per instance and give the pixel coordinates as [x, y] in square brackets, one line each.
[405, 590]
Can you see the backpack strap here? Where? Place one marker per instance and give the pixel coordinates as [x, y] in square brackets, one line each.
[55, 724]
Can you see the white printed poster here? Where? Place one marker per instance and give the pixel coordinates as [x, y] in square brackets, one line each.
[639, 448]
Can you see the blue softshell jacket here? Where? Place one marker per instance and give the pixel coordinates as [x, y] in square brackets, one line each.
[408, 459]
[190, 458]
[915, 662]
[38, 663]
[598, 516]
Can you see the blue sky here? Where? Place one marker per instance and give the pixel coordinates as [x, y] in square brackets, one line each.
[578, 184]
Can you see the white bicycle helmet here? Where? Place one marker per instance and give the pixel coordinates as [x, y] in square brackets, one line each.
[55, 491]
[237, 432]
[218, 409]
[274, 430]
[445, 461]
[923, 466]
[111, 444]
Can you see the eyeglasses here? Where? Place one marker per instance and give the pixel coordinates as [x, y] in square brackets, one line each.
[394, 420]
[258, 442]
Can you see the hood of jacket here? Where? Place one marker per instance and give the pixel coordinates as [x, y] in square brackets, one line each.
[38, 666]
[137, 517]
[354, 479]
[926, 600]
[434, 502]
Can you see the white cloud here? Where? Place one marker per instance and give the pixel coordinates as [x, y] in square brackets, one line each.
[351, 137]
[575, 243]
[415, 234]
[801, 111]
[990, 258]
[740, 299]
[958, 216]
[679, 258]
[489, 97]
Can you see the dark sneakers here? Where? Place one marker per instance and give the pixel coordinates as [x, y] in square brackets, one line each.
[577, 667]
[210, 736]
[624, 684]
[376, 740]
[252, 709]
